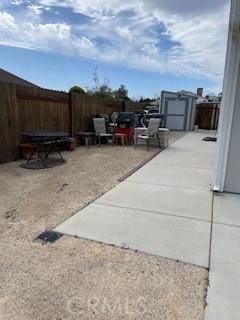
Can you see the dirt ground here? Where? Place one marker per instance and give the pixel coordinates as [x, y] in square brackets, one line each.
[75, 278]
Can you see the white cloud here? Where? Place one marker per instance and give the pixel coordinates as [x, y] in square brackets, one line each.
[200, 28]
[94, 8]
[136, 33]
[35, 9]
[186, 7]
[47, 37]
[203, 42]
[7, 23]
[17, 2]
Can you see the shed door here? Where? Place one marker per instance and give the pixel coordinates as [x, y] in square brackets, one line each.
[176, 111]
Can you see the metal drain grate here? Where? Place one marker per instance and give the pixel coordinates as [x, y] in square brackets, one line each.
[48, 236]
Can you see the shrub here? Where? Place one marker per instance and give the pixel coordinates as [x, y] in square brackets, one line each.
[77, 89]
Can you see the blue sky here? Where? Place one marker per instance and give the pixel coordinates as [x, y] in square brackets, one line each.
[147, 45]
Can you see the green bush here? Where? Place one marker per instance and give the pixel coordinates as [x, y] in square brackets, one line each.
[77, 89]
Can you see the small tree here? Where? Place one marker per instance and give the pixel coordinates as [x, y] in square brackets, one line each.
[104, 91]
[121, 93]
[100, 88]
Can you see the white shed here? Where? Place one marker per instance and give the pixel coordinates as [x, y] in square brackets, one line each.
[178, 109]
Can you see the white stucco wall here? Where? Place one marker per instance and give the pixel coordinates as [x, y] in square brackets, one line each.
[232, 179]
[227, 167]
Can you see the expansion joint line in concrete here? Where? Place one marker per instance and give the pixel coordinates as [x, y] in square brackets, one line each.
[153, 212]
[211, 233]
[165, 185]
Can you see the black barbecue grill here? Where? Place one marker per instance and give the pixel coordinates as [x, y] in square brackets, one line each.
[125, 119]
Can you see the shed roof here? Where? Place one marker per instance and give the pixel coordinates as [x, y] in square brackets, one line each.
[188, 93]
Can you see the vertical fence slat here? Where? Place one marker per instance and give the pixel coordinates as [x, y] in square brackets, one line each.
[8, 123]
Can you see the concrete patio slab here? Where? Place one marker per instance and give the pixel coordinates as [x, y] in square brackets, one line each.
[227, 209]
[161, 209]
[224, 289]
[195, 204]
[189, 151]
[223, 296]
[168, 236]
[196, 142]
[177, 149]
[186, 158]
[225, 246]
[191, 160]
[176, 176]
[196, 139]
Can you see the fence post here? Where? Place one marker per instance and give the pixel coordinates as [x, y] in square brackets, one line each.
[9, 135]
[71, 111]
[124, 105]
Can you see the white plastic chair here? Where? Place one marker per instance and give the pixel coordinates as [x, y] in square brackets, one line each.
[151, 133]
[100, 129]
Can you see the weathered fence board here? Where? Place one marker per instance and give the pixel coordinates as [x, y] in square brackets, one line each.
[207, 116]
[8, 123]
[85, 107]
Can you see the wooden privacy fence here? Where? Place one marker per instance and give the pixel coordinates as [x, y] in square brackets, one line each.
[207, 115]
[24, 108]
